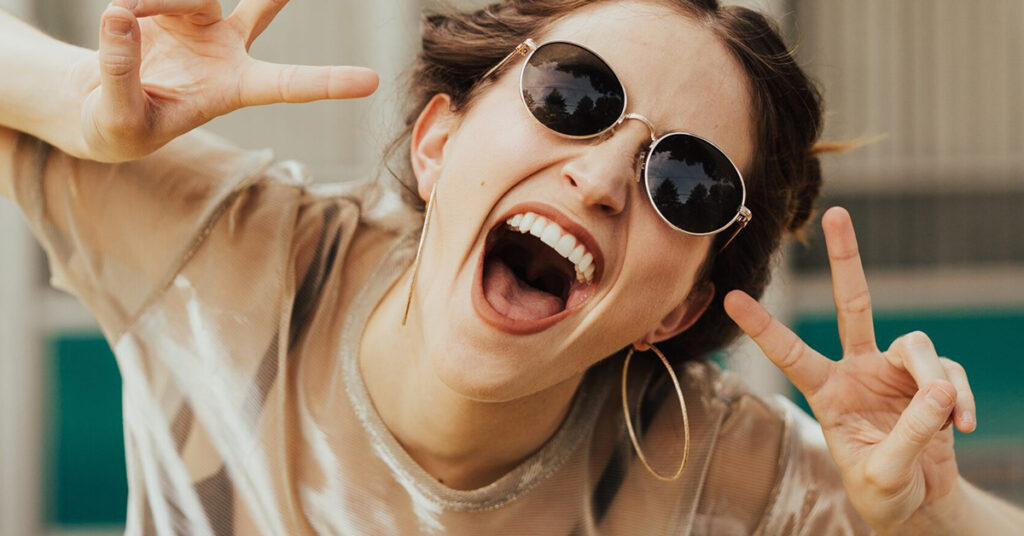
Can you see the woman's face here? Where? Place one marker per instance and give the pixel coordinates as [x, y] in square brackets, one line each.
[490, 333]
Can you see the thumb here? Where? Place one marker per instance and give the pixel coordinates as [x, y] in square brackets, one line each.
[923, 418]
[122, 100]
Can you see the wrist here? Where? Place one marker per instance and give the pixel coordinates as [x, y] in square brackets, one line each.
[944, 515]
[46, 87]
[54, 113]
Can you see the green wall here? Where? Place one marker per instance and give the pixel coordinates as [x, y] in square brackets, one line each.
[86, 464]
[986, 343]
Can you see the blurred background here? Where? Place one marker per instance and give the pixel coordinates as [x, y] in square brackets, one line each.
[938, 84]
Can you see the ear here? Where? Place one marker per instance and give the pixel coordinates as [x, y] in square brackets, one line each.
[429, 137]
[679, 319]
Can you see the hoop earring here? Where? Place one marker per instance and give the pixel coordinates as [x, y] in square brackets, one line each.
[682, 407]
[419, 250]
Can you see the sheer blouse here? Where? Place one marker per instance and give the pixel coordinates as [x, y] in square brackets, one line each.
[234, 291]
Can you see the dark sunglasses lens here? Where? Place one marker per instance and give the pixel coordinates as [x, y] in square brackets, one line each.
[572, 91]
[693, 184]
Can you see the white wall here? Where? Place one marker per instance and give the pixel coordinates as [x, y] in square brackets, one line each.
[21, 371]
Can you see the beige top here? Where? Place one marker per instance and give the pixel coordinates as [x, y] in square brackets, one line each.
[234, 293]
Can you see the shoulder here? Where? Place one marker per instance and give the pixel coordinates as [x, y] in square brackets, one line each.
[350, 224]
[770, 471]
[747, 456]
[280, 238]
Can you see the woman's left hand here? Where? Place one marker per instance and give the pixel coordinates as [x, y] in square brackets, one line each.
[884, 414]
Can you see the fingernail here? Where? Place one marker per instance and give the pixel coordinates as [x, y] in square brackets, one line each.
[940, 398]
[967, 418]
[127, 4]
[119, 27]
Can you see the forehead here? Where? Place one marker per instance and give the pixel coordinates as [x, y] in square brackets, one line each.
[676, 72]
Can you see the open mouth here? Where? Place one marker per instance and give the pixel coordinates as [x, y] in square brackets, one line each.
[534, 272]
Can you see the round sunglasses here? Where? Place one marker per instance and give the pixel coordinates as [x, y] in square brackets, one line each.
[569, 89]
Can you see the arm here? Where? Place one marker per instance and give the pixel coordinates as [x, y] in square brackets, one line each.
[34, 96]
[966, 511]
[7, 139]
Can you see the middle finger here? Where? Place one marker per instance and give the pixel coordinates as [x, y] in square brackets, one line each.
[255, 15]
[201, 11]
[966, 419]
[849, 285]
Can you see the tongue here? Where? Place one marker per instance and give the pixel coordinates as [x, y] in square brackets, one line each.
[514, 298]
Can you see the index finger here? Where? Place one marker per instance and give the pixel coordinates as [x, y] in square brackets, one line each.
[806, 368]
[200, 11]
[849, 285]
[269, 83]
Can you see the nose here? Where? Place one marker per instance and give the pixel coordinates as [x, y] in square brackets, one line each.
[603, 174]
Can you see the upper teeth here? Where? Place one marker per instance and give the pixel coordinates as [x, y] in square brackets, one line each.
[559, 239]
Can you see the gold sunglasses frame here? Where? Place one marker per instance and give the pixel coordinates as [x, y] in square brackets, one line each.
[529, 47]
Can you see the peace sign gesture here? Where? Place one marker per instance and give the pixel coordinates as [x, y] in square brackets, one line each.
[167, 66]
[884, 414]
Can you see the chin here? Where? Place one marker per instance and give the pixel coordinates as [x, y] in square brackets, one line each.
[491, 373]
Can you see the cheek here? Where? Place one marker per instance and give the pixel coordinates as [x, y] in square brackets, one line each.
[660, 270]
[497, 144]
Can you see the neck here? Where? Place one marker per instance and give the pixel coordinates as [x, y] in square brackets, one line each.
[463, 443]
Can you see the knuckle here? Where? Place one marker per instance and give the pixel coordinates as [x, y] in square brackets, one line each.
[117, 64]
[845, 254]
[965, 396]
[918, 339]
[763, 325]
[863, 347]
[881, 477]
[953, 368]
[858, 303]
[915, 429]
[793, 354]
[123, 126]
[285, 78]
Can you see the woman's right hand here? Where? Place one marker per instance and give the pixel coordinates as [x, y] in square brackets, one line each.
[168, 66]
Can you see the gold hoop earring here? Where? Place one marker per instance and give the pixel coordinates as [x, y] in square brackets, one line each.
[419, 251]
[682, 407]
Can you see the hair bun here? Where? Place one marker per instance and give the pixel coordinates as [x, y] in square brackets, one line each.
[805, 196]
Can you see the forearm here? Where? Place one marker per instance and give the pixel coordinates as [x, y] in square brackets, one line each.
[43, 86]
[966, 511]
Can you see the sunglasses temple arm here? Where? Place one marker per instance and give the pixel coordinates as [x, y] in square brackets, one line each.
[744, 218]
[523, 49]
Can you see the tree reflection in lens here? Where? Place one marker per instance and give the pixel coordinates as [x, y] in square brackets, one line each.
[571, 90]
[693, 184]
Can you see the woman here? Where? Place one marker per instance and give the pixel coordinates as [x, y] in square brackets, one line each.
[293, 363]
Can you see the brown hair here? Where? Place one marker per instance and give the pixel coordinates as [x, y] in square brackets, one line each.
[784, 177]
